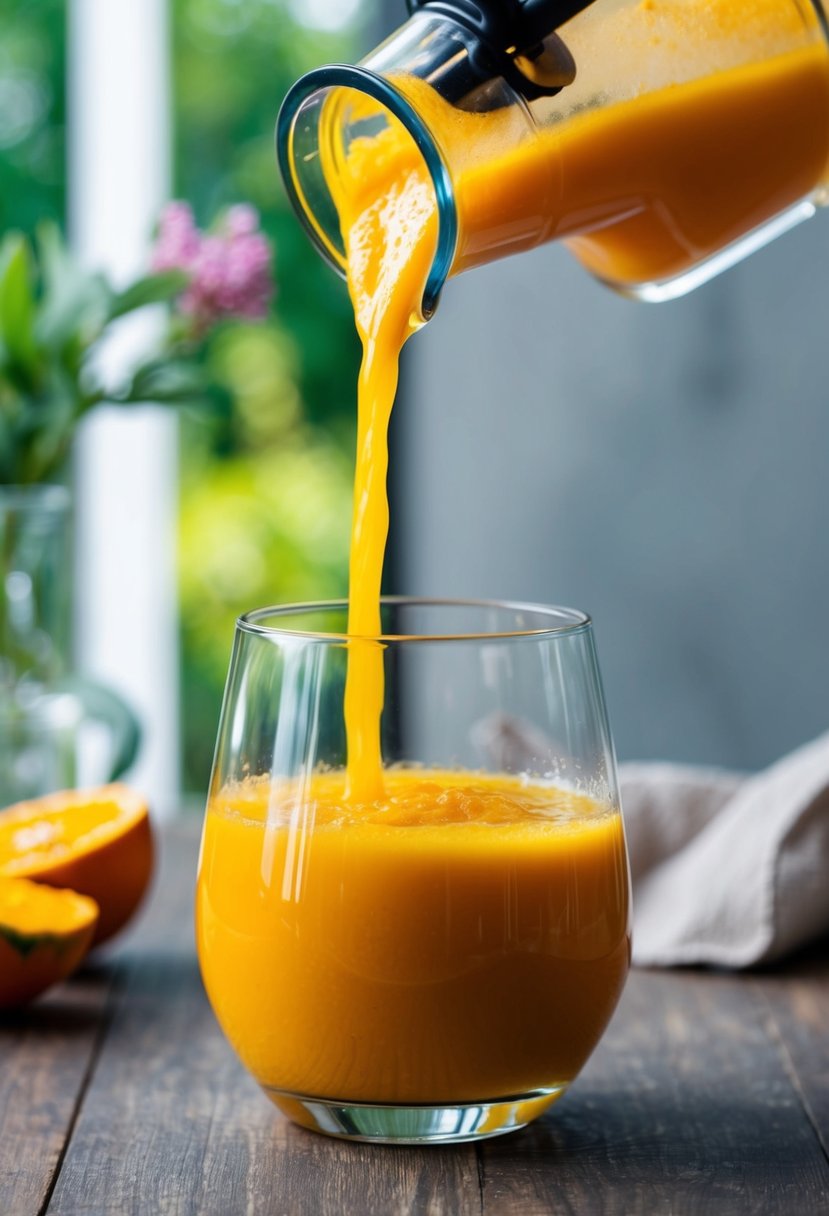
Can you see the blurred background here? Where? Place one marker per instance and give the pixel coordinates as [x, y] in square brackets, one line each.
[260, 500]
[662, 467]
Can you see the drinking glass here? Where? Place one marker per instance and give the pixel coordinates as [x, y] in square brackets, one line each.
[436, 961]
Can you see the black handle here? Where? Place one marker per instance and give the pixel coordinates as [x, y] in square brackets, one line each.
[508, 23]
[519, 36]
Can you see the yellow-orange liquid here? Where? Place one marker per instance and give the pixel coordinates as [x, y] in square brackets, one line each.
[645, 189]
[390, 241]
[465, 939]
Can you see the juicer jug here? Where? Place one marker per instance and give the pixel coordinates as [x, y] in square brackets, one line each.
[661, 140]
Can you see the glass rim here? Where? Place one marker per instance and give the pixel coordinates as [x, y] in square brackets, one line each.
[571, 621]
[823, 21]
[363, 80]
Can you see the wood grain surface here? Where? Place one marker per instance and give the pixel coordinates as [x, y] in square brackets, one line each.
[118, 1094]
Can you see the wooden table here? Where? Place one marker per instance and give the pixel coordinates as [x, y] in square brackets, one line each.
[118, 1094]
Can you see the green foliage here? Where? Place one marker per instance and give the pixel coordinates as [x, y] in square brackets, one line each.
[262, 528]
[266, 497]
[283, 455]
[32, 114]
[53, 315]
[233, 65]
[17, 306]
[153, 289]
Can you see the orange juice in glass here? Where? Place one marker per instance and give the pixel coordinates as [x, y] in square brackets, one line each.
[432, 958]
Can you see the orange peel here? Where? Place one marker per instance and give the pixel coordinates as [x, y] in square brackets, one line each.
[97, 842]
[44, 935]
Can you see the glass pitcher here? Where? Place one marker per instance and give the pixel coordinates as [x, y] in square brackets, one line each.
[50, 718]
[661, 140]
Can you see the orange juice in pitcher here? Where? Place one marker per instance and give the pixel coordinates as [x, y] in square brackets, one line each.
[661, 140]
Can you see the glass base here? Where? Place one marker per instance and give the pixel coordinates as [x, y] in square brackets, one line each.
[421, 1124]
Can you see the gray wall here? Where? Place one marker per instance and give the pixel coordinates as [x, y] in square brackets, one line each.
[663, 467]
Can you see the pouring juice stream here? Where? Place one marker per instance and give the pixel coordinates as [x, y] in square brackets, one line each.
[390, 245]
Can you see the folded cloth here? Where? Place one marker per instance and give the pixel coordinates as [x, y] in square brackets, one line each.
[728, 870]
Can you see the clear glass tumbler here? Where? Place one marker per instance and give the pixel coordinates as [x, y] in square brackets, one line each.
[438, 962]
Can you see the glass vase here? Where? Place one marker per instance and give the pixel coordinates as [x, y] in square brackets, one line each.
[45, 709]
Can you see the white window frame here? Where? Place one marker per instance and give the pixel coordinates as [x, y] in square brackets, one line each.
[119, 124]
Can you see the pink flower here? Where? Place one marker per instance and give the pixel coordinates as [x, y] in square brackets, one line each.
[230, 268]
[178, 241]
[241, 220]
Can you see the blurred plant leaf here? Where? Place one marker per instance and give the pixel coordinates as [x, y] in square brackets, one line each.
[47, 427]
[56, 263]
[75, 304]
[154, 289]
[17, 304]
[7, 446]
[165, 382]
[36, 428]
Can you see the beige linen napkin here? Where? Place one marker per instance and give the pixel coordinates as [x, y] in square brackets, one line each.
[728, 870]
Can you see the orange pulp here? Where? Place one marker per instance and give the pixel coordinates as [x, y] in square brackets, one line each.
[464, 939]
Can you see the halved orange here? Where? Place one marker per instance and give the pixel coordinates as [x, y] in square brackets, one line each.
[44, 934]
[98, 842]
